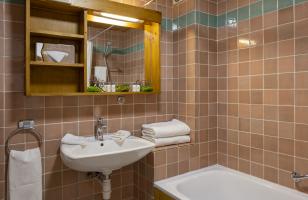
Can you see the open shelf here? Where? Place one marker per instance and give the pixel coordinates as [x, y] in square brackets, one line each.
[51, 64]
[48, 25]
[55, 34]
[89, 93]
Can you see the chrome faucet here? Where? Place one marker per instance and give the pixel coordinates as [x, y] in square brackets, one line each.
[297, 177]
[100, 128]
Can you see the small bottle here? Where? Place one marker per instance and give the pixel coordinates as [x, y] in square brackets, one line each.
[137, 88]
[107, 87]
[113, 87]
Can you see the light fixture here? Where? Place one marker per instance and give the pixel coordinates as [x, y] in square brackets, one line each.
[247, 42]
[106, 20]
[121, 18]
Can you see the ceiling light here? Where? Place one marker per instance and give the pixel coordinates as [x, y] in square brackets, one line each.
[120, 17]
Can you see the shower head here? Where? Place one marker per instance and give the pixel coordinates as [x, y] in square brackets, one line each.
[108, 49]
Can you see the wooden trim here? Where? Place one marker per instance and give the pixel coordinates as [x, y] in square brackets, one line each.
[51, 64]
[119, 9]
[91, 93]
[152, 54]
[54, 34]
[27, 46]
[84, 22]
[159, 195]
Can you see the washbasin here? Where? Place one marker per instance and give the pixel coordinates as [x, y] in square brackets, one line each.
[105, 156]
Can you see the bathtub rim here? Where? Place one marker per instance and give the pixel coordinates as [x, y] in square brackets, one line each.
[165, 186]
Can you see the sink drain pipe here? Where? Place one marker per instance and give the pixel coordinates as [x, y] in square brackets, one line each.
[105, 181]
[106, 187]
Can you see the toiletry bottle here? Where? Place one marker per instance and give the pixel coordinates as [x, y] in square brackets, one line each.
[134, 87]
[137, 87]
[107, 87]
[113, 87]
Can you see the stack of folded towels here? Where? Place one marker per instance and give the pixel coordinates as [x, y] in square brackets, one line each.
[166, 133]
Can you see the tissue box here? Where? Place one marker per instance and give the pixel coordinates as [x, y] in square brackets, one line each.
[59, 53]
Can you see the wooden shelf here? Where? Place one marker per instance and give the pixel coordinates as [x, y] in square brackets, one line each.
[51, 64]
[90, 93]
[54, 34]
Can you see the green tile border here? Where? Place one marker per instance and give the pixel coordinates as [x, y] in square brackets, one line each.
[256, 9]
[122, 51]
[13, 1]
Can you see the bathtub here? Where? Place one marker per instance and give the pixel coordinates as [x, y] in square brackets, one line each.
[221, 183]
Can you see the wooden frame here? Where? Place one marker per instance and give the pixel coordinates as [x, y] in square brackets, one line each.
[49, 21]
[159, 195]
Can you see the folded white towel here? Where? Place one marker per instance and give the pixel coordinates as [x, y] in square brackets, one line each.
[76, 140]
[25, 175]
[165, 129]
[119, 137]
[56, 56]
[168, 141]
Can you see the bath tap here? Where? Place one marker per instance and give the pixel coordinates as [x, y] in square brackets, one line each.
[100, 128]
[297, 177]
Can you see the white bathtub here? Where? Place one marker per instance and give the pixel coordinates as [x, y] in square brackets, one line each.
[221, 183]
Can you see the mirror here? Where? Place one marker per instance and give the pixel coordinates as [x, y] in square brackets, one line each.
[123, 50]
[117, 54]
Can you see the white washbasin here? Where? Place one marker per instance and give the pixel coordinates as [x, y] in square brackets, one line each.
[105, 156]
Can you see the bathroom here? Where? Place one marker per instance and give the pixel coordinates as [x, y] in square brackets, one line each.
[233, 70]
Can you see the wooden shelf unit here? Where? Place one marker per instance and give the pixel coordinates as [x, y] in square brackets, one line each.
[59, 25]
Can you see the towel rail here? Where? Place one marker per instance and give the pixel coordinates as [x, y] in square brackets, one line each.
[24, 126]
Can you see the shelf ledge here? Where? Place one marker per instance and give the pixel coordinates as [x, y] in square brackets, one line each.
[51, 64]
[55, 34]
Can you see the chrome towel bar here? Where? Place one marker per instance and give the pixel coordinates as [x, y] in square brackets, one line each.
[23, 126]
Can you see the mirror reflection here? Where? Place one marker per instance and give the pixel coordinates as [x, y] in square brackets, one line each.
[116, 55]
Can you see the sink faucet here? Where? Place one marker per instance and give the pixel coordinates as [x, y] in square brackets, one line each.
[297, 177]
[100, 128]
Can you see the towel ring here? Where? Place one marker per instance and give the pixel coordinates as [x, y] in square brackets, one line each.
[24, 126]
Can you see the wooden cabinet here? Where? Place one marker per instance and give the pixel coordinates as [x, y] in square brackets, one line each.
[57, 23]
[48, 24]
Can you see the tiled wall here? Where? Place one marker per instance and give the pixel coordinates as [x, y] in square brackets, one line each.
[194, 92]
[262, 88]
[241, 87]
[56, 115]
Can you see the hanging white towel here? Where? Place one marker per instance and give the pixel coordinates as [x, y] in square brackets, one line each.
[100, 73]
[168, 141]
[25, 175]
[89, 61]
[165, 129]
